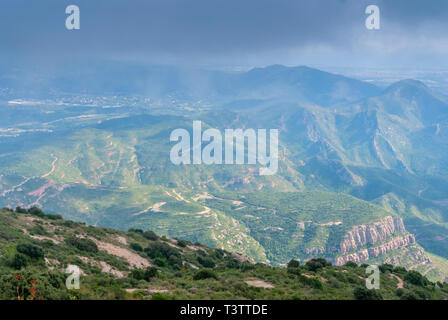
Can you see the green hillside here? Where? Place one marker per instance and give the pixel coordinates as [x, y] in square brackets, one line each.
[36, 248]
[347, 162]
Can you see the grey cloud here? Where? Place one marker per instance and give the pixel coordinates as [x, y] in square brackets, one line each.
[216, 30]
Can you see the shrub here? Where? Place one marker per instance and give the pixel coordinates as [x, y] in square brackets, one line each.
[206, 262]
[204, 274]
[232, 263]
[295, 271]
[136, 230]
[135, 246]
[386, 267]
[362, 293]
[175, 261]
[415, 278]
[150, 235]
[36, 212]
[159, 296]
[82, 244]
[30, 250]
[150, 272]
[409, 296]
[39, 230]
[146, 275]
[219, 253]
[316, 264]
[311, 282]
[293, 264]
[160, 250]
[21, 210]
[53, 217]
[161, 262]
[69, 224]
[350, 264]
[19, 261]
[182, 243]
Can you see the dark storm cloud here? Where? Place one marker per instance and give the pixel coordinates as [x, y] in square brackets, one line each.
[217, 29]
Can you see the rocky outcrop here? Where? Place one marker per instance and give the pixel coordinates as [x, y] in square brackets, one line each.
[363, 235]
[370, 241]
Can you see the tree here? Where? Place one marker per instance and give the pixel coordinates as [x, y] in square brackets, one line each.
[82, 244]
[182, 243]
[206, 262]
[204, 274]
[415, 278]
[316, 264]
[30, 250]
[293, 264]
[135, 246]
[150, 235]
[19, 261]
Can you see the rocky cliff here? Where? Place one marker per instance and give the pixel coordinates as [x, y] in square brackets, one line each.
[364, 242]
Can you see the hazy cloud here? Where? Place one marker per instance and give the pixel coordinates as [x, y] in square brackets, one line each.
[228, 32]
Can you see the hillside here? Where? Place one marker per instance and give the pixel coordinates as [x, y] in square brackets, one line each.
[36, 248]
[352, 157]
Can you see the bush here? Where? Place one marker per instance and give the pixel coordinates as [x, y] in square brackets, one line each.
[182, 243]
[295, 271]
[161, 262]
[19, 261]
[409, 296]
[135, 246]
[293, 264]
[150, 235]
[175, 261]
[159, 296]
[206, 262]
[415, 278]
[150, 272]
[311, 282]
[21, 210]
[204, 274]
[316, 264]
[386, 267]
[159, 250]
[53, 217]
[362, 293]
[146, 275]
[136, 230]
[350, 264]
[82, 244]
[36, 212]
[30, 250]
[69, 223]
[39, 230]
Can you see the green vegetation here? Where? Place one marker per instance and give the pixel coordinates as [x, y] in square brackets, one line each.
[33, 267]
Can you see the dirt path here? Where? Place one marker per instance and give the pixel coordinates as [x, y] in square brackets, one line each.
[259, 284]
[53, 167]
[155, 208]
[400, 281]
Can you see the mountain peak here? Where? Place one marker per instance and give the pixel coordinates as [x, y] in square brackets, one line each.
[407, 84]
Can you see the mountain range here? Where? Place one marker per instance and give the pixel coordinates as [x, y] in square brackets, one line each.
[362, 169]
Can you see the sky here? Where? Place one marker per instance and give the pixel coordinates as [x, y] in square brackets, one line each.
[228, 33]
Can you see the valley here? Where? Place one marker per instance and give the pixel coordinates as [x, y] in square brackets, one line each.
[361, 173]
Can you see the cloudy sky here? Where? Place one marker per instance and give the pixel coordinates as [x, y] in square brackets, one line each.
[229, 32]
